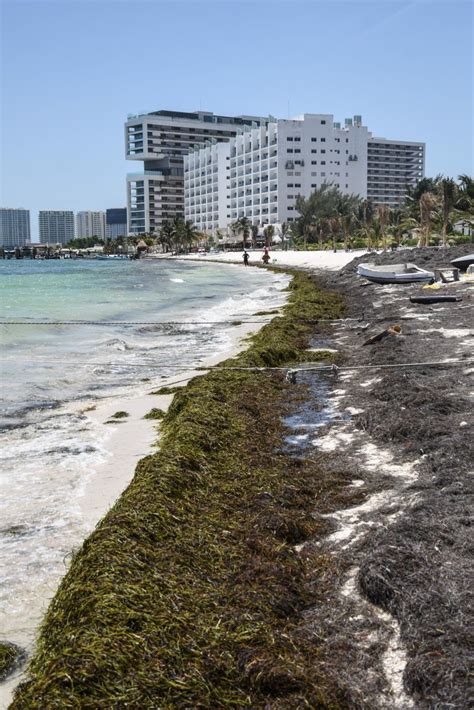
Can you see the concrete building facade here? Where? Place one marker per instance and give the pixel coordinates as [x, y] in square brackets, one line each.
[14, 227]
[116, 222]
[205, 186]
[392, 166]
[90, 224]
[160, 140]
[270, 165]
[56, 226]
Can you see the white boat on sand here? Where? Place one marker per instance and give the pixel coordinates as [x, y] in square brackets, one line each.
[394, 273]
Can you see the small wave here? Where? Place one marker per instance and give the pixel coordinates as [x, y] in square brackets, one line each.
[118, 344]
[72, 450]
[177, 281]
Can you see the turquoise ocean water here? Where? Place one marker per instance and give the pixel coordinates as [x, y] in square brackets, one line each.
[48, 447]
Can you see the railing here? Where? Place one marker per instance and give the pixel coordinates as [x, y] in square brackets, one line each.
[133, 176]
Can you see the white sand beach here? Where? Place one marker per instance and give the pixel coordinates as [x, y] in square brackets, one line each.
[327, 260]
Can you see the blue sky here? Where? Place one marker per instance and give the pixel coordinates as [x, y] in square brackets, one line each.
[72, 71]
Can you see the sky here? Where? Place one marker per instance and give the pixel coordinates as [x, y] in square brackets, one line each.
[72, 70]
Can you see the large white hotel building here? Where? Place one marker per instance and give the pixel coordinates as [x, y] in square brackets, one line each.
[160, 140]
[260, 172]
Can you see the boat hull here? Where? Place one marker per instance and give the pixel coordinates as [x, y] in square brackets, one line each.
[398, 275]
[463, 262]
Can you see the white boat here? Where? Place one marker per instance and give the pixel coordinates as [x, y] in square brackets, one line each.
[394, 273]
[102, 257]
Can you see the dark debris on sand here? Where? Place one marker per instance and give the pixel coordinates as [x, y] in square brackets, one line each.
[417, 565]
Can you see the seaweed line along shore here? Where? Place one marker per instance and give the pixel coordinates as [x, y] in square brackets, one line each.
[300, 538]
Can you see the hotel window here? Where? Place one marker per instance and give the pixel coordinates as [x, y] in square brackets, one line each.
[323, 174]
[290, 184]
[297, 150]
[323, 151]
[323, 123]
[289, 138]
[289, 150]
[291, 208]
[323, 162]
[314, 150]
[314, 162]
[323, 140]
[313, 140]
[297, 184]
[298, 140]
[313, 184]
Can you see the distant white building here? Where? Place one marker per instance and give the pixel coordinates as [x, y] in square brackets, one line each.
[14, 227]
[56, 226]
[268, 166]
[90, 224]
[205, 186]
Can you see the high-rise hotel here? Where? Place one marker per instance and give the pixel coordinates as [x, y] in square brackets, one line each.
[214, 169]
[160, 140]
[56, 226]
[261, 171]
[14, 227]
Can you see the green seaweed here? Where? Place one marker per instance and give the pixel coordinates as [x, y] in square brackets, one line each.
[155, 413]
[188, 593]
[119, 415]
[166, 390]
[11, 656]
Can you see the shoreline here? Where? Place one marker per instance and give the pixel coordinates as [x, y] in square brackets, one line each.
[126, 444]
[366, 469]
[136, 437]
[327, 260]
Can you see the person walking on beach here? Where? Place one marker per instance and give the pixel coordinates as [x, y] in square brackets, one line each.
[246, 257]
[266, 256]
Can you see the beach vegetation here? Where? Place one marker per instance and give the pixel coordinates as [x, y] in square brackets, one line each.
[189, 592]
[11, 656]
[434, 211]
[155, 413]
[166, 390]
[120, 415]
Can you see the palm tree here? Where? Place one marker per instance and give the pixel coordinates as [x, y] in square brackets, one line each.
[165, 237]
[335, 227]
[190, 233]
[383, 216]
[428, 202]
[365, 216]
[243, 225]
[177, 227]
[448, 192]
[396, 226]
[254, 230]
[269, 232]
